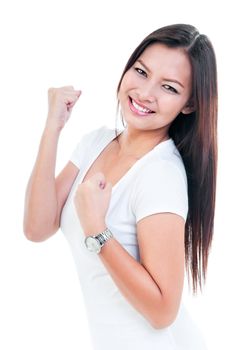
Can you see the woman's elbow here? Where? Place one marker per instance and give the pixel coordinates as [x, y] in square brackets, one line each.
[163, 322]
[164, 318]
[40, 235]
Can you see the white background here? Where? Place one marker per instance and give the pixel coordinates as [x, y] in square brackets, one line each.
[86, 44]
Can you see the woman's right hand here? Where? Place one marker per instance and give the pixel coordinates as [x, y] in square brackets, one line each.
[60, 104]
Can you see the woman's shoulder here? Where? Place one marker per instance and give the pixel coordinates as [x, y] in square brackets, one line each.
[166, 164]
[170, 159]
[95, 133]
[101, 133]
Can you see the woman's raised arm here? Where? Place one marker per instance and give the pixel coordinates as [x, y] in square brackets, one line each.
[45, 195]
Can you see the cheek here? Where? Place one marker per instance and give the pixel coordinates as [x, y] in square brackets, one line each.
[129, 81]
[123, 92]
[167, 111]
[170, 105]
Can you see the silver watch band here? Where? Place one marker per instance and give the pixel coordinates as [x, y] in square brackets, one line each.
[104, 236]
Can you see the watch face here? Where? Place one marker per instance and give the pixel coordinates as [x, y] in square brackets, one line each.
[92, 244]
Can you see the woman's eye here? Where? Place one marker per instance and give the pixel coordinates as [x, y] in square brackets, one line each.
[141, 72]
[170, 88]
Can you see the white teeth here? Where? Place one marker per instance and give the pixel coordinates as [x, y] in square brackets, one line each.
[139, 108]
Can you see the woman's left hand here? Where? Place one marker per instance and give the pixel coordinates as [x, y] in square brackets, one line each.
[91, 201]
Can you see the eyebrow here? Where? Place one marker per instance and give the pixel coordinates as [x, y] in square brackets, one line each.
[172, 80]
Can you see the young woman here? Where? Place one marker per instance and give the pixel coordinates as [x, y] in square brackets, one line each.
[137, 206]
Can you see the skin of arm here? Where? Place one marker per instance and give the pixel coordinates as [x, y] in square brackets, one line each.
[40, 199]
[46, 195]
[153, 285]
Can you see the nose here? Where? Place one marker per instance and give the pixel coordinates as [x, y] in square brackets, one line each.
[147, 94]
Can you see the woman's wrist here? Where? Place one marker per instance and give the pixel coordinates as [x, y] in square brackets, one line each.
[52, 128]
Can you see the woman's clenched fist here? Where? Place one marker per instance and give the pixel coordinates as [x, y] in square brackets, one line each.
[60, 104]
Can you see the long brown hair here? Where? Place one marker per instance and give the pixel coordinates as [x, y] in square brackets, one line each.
[196, 139]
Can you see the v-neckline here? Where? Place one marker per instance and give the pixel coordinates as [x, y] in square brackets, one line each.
[138, 162]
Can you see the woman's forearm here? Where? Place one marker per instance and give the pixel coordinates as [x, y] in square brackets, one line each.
[40, 199]
[134, 281]
[41, 210]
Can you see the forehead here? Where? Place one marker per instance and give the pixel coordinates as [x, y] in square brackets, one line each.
[166, 60]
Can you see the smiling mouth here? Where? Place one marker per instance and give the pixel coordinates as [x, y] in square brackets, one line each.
[139, 109]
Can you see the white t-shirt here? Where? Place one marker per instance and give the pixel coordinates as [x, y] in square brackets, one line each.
[156, 183]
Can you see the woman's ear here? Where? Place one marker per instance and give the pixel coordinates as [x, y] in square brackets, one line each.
[189, 108]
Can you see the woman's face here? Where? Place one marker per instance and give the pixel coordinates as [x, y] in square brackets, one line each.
[156, 88]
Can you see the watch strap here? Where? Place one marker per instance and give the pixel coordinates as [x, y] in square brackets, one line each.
[104, 236]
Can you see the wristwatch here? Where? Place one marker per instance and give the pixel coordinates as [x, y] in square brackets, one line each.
[95, 243]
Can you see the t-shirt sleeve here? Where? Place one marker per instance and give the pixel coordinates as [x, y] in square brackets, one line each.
[161, 187]
[80, 152]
